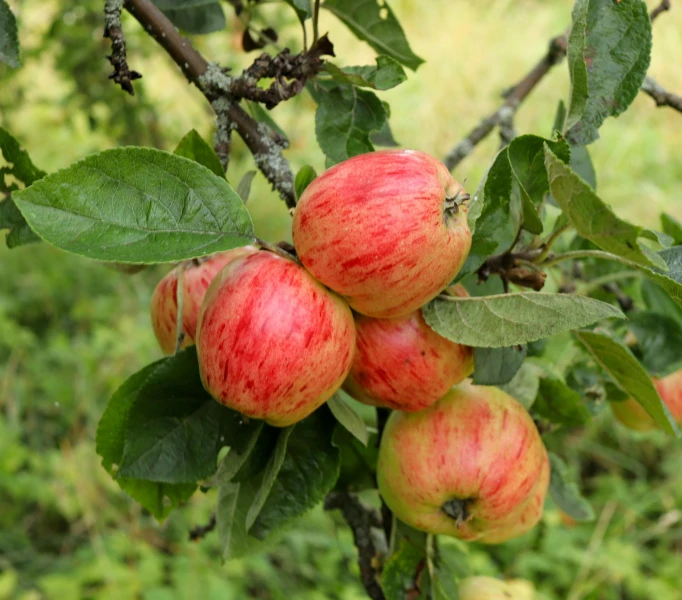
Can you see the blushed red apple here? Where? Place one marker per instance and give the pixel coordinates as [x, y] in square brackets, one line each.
[631, 414]
[273, 343]
[402, 363]
[472, 466]
[197, 276]
[387, 230]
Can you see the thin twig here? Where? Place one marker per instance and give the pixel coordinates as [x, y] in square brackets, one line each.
[662, 7]
[200, 531]
[661, 96]
[361, 520]
[516, 95]
[113, 30]
[316, 19]
[265, 144]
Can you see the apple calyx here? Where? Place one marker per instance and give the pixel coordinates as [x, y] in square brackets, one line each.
[452, 203]
[458, 510]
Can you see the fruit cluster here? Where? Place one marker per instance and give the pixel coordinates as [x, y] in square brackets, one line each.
[376, 237]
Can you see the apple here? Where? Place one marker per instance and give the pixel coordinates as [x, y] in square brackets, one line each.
[196, 277]
[631, 414]
[402, 363]
[273, 343]
[387, 230]
[472, 466]
[489, 588]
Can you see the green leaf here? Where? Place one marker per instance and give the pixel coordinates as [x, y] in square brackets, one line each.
[403, 571]
[20, 167]
[158, 498]
[495, 366]
[303, 179]
[175, 430]
[658, 301]
[612, 40]
[577, 69]
[244, 186]
[194, 147]
[524, 385]
[347, 417]
[373, 21]
[672, 227]
[593, 219]
[358, 462]
[269, 475]
[344, 119]
[309, 470]
[617, 360]
[560, 404]
[527, 159]
[581, 163]
[136, 205]
[490, 215]
[387, 74]
[384, 137]
[194, 16]
[302, 8]
[9, 38]
[511, 319]
[566, 494]
[659, 340]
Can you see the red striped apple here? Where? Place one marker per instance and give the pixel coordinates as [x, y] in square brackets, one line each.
[631, 414]
[472, 466]
[197, 276]
[273, 343]
[387, 230]
[402, 363]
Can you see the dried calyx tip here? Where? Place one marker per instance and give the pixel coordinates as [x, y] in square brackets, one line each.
[452, 203]
[457, 509]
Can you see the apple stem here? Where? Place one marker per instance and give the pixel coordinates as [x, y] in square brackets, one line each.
[457, 510]
[278, 250]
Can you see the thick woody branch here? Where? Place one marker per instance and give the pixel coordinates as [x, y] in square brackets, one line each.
[514, 97]
[661, 96]
[265, 144]
[200, 531]
[361, 520]
[113, 30]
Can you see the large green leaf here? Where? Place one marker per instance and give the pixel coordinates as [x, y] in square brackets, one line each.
[175, 430]
[373, 21]
[346, 415]
[496, 366]
[593, 219]
[9, 39]
[511, 319]
[17, 165]
[565, 493]
[527, 159]
[659, 301]
[608, 54]
[302, 7]
[524, 385]
[345, 118]
[136, 205]
[194, 16]
[404, 573]
[659, 341]
[303, 179]
[672, 227]
[194, 147]
[387, 74]
[581, 163]
[560, 404]
[158, 498]
[618, 361]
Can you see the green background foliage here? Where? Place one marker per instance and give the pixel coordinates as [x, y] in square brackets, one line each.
[72, 330]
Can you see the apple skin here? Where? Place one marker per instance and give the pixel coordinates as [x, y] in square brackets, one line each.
[631, 414]
[273, 343]
[476, 448]
[196, 278]
[375, 229]
[489, 588]
[402, 363]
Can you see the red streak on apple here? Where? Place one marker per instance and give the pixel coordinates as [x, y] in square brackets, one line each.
[378, 230]
[478, 447]
[273, 343]
[402, 363]
[196, 279]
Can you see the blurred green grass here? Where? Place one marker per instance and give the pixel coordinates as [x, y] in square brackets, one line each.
[71, 330]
